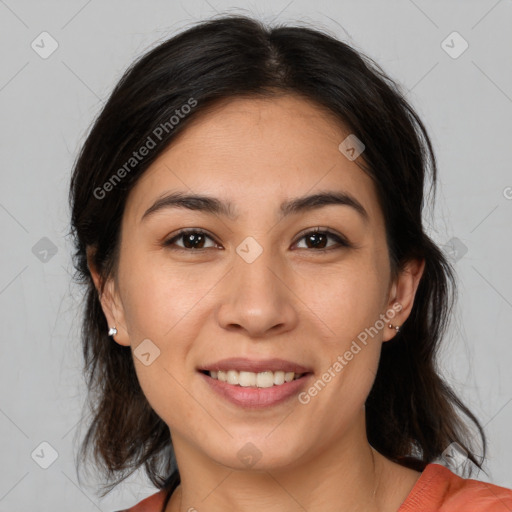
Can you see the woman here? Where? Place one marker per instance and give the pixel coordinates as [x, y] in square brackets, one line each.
[247, 213]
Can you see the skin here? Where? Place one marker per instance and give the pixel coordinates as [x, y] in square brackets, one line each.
[292, 302]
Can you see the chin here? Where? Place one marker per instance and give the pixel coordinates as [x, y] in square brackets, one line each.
[258, 454]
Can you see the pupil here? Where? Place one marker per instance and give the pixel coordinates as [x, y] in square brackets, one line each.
[193, 238]
[311, 239]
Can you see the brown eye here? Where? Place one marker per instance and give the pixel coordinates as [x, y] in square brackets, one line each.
[195, 239]
[191, 238]
[318, 239]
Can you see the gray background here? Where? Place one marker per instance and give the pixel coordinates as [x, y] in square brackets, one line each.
[47, 106]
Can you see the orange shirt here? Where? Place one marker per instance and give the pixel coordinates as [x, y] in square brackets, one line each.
[436, 490]
[440, 490]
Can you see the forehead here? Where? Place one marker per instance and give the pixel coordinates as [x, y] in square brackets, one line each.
[256, 150]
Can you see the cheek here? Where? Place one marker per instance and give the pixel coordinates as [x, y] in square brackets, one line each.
[166, 394]
[350, 306]
[162, 304]
[157, 296]
[347, 301]
[158, 313]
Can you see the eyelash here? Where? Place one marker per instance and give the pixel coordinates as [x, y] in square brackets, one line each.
[341, 241]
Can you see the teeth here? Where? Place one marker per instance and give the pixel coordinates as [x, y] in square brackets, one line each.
[279, 378]
[263, 379]
[250, 379]
[232, 377]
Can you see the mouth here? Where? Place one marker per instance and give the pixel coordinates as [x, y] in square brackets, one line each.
[255, 383]
[265, 379]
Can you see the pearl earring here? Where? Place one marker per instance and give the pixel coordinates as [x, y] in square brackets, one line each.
[112, 331]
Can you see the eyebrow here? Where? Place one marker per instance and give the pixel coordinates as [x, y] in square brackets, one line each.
[214, 206]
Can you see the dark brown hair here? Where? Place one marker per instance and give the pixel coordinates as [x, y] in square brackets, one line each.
[412, 413]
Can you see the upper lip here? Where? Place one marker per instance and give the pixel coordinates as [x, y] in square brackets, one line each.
[256, 366]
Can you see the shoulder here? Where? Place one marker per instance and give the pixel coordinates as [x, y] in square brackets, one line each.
[153, 503]
[440, 490]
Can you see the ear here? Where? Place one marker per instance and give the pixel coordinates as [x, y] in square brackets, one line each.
[110, 302]
[401, 295]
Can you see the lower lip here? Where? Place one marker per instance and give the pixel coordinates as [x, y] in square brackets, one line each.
[256, 398]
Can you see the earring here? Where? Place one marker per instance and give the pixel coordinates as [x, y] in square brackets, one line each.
[112, 331]
[396, 327]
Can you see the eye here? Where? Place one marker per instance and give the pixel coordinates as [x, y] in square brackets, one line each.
[192, 238]
[318, 238]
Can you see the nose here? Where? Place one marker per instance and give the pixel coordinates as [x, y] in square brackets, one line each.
[258, 298]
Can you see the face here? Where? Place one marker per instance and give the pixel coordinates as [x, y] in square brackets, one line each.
[258, 282]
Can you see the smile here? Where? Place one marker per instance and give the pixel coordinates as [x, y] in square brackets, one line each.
[251, 390]
[265, 379]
